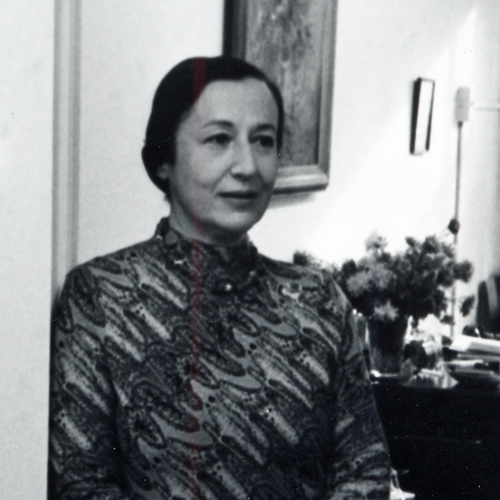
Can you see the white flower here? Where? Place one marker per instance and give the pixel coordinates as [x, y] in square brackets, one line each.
[358, 284]
[380, 276]
[385, 312]
[375, 242]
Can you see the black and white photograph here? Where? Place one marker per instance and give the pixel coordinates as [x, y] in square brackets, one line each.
[251, 250]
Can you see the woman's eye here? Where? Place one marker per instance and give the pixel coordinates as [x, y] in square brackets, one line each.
[265, 141]
[219, 139]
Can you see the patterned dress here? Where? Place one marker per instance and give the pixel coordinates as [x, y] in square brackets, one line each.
[185, 371]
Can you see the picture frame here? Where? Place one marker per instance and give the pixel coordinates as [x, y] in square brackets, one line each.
[294, 44]
[421, 121]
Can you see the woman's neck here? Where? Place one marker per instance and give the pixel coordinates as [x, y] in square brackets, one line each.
[196, 231]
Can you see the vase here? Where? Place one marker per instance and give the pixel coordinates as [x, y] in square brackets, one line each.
[386, 342]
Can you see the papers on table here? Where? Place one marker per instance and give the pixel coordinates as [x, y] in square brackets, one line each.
[475, 345]
[477, 361]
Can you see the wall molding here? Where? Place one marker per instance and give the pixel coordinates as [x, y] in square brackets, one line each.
[66, 138]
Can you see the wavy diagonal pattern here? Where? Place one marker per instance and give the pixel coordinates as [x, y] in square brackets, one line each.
[183, 371]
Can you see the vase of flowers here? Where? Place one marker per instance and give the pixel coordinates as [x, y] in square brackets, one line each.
[390, 289]
[386, 340]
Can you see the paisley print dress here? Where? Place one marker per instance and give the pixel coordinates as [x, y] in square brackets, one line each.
[184, 371]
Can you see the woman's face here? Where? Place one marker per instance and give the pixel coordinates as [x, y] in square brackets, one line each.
[226, 162]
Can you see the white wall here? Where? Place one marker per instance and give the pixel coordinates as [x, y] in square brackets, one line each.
[127, 47]
[480, 194]
[376, 184]
[26, 66]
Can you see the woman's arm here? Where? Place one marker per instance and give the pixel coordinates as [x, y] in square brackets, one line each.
[361, 465]
[84, 457]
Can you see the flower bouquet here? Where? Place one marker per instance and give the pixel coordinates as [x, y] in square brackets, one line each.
[388, 289]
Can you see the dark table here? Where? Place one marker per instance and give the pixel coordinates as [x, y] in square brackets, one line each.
[444, 439]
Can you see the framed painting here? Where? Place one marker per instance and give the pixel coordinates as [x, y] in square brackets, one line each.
[293, 42]
[421, 120]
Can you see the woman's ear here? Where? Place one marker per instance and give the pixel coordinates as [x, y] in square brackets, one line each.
[163, 172]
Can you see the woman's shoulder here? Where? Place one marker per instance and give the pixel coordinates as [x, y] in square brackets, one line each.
[289, 270]
[116, 264]
[306, 277]
[294, 271]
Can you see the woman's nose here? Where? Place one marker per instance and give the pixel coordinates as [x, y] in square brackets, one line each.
[244, 163]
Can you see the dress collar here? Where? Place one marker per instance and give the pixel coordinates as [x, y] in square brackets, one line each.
[221, 269]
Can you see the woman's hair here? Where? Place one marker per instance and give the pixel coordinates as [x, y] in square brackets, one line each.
[175, 97]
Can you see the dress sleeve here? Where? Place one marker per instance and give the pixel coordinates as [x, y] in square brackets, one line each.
[361, 467]
[84, 461]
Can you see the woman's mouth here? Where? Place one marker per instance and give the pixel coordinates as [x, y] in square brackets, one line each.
[239, 195]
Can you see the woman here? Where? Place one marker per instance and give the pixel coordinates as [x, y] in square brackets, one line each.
[191, 366]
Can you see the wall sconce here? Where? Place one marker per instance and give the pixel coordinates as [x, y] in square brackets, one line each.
[423, 98]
